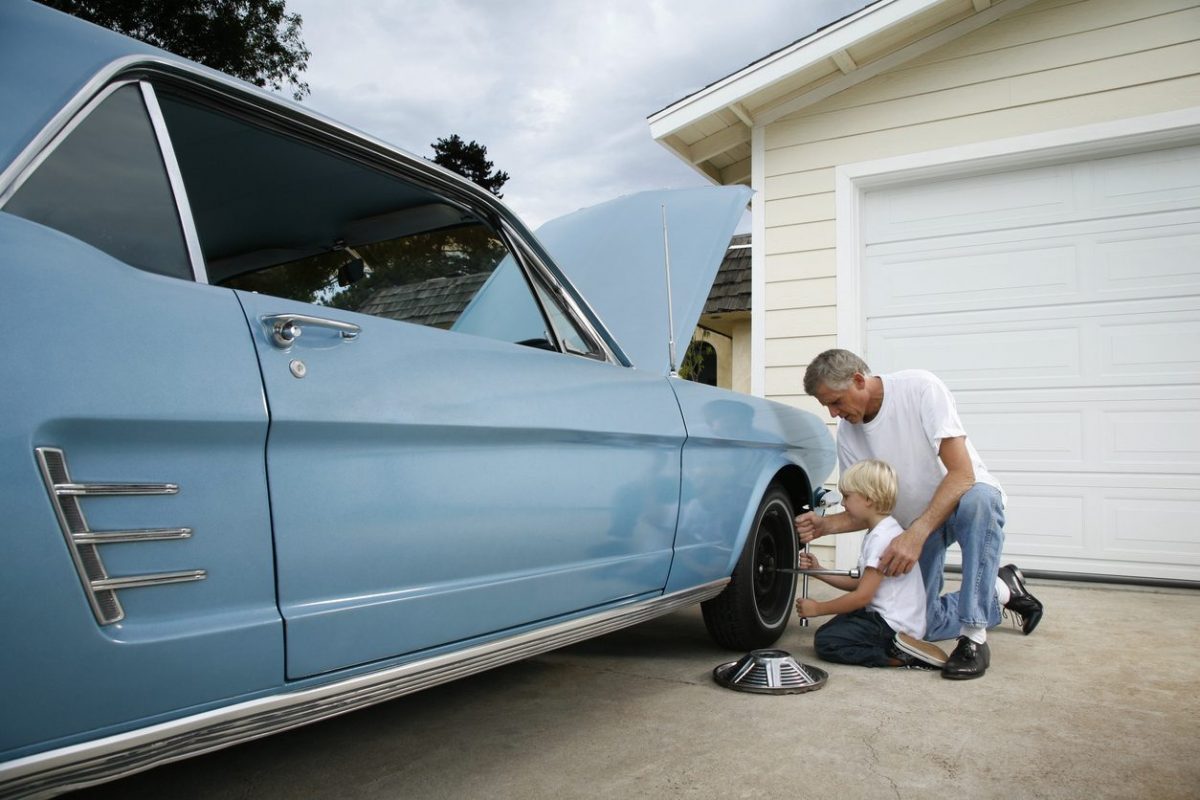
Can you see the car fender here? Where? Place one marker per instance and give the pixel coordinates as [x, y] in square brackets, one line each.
[736, 446]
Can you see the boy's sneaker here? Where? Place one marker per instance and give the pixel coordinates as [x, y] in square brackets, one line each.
[1027, 608]
[918, 654]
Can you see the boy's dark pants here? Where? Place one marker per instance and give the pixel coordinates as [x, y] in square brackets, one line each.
[860, 637]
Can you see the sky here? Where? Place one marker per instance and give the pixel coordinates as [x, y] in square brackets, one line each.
[559, 91]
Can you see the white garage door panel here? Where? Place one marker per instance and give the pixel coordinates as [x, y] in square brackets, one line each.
[1146, 436]
[1120, 186]
[1029, 437]
[1085, 345]
[1162, 347]
[1149, 261]
[1098, 261]
[1061, 304]
[1138, 182]
[1164, 437]
[1145, 531]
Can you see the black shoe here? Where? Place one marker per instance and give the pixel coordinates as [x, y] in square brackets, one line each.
[969, 660]
[1025, 606]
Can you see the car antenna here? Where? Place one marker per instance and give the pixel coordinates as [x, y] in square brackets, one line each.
[673, 372]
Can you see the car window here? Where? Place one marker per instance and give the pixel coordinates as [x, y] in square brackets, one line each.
[105, 184]
[290, 217]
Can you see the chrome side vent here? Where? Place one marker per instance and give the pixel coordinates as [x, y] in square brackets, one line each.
[83, 543]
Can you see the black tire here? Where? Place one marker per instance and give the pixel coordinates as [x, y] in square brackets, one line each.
[755, 607]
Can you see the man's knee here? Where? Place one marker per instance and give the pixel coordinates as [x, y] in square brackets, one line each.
[979, 502]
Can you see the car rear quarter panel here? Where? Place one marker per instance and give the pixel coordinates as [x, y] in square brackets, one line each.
[138, 378]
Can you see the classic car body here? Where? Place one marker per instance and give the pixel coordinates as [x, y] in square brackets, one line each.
[295, 422]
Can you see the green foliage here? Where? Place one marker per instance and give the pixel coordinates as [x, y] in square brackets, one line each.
[470, 160]
[692, 366]
[255, 40]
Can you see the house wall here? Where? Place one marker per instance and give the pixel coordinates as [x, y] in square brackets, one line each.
[740, 366]
[1055, 64]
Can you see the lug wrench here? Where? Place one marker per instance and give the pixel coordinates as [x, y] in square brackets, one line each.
[822, 499]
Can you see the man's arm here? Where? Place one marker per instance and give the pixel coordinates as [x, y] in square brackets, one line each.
[904, 551]
[810, 526]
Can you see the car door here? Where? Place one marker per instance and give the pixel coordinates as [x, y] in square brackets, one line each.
[430, 486]
[450, 454]
[137, 564]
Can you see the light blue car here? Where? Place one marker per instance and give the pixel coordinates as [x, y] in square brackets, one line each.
[294, 422]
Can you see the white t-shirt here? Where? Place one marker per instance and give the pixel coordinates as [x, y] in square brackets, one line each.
[918, 411]
[900, 599]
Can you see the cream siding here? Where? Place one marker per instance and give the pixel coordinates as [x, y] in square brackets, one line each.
[1051, 65]
[741, 357]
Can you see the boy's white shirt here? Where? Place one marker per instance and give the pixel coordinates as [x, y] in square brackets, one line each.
[900, 599]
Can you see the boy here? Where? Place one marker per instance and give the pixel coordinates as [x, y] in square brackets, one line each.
[881, 619]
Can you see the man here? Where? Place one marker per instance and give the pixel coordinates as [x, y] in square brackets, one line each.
[909, 420]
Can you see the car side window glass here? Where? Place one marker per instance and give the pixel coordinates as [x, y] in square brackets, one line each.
[568, 334]
[105, 184]
[288, 217]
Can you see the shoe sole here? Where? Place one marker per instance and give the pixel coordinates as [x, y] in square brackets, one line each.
[1030, 622]
[961, 676]
[1020, 578]
[926, 652]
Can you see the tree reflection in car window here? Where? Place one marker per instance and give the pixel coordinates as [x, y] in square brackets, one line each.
[291, 217]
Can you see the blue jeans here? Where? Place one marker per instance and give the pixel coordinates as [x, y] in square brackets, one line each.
[859, 637]
[977, 524]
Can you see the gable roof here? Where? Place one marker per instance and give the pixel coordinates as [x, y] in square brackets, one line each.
[731, 289]
[711, 129]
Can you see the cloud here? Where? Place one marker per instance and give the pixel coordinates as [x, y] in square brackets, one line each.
[558, 92]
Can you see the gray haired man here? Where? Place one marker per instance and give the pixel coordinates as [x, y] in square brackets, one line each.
[909, 419]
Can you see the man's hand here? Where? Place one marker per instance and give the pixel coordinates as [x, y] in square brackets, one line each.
[902, 554]
[809, 526]
[807, 608]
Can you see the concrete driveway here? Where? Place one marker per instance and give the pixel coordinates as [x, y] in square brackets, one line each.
[1100, 702]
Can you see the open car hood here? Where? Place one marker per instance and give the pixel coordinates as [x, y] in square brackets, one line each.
[613, 253]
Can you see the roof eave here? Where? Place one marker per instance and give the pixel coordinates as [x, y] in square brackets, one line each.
[825, 43]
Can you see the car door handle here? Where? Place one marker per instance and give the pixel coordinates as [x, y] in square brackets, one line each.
[286, 328]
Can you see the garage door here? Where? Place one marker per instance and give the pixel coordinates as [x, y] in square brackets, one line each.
[1061, 304]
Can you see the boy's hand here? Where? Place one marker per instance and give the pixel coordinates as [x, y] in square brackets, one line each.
[806, 607]
[808, 561]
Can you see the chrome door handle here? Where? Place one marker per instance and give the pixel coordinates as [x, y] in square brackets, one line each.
[286, 328]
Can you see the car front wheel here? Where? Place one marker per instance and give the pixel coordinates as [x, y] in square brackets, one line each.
[754, 608]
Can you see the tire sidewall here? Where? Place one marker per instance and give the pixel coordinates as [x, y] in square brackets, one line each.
[771, 535]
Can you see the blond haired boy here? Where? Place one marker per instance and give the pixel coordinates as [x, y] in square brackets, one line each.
[880, 620]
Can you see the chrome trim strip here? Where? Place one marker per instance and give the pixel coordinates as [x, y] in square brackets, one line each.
[82, 542]
[77, 766]
[182, 206]
[570, 300]
[57, 129]
[156, 579]
[53, 465]
[142, 535]
[113, 489]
